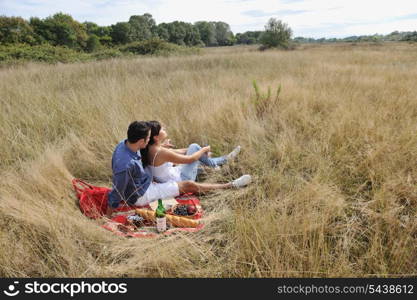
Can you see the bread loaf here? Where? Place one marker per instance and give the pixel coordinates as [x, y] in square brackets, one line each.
[176, 221]
[182, 222]
[146, 214]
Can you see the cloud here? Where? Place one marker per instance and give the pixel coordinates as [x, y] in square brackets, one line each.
[405, 17]
[291, 1]
[238, 1]
[259, 13]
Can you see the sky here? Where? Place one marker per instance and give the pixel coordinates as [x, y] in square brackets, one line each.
[307, 18]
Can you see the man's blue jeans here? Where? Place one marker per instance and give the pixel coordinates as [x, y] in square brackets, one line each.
[190, 171]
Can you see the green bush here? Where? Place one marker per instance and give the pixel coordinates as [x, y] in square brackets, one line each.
[45, 53]
[61, 30]
[264, 102]
[11, 54]
[156, 46]
[15, 30]
[276, 34]
[106, 53]
[93, 43]
[151, 46]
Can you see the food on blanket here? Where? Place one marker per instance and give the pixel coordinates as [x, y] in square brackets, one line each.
[147, 214]
[181, 210]
[176, 221]
[136, 220]
[191, 210]
[185, 210]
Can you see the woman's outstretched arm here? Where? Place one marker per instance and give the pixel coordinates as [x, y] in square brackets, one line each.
[180, 151]
[168, 144]
[168, 155]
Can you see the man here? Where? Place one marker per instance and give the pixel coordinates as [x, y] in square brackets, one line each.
[130, 180]
[133, 185]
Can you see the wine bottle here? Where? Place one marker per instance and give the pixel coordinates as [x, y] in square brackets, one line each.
[161, 221]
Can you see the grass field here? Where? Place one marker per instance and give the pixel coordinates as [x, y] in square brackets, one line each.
[334, 161]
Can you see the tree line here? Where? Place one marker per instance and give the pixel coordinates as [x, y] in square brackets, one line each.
[62, 30]
[395, 36]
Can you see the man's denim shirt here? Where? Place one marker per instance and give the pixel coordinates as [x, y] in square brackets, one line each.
[130, 180]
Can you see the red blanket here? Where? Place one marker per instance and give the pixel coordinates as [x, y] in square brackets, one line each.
[93, 204]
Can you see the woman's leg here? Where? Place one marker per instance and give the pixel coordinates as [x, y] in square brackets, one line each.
[189, 171]
[194, 187]
[213, 161]
[205, 159]
[218, 161]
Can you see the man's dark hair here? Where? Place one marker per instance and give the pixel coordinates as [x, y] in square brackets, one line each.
[137, 130]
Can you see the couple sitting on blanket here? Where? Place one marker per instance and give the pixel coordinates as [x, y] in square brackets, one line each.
[144, 171]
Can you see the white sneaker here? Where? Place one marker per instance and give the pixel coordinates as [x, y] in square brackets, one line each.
[234, 153]
[242, 181]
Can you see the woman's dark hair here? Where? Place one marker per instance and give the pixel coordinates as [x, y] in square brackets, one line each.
[137, 130]
[155, 127]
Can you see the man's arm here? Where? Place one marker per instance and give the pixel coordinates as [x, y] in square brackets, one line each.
[117, 193]
[140, 178]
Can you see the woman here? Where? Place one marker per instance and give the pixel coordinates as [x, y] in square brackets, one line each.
[160, 160]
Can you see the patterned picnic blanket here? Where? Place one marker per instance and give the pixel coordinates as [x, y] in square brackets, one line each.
[93, 204]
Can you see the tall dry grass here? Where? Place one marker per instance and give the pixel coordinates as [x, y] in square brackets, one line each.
[334, 161]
